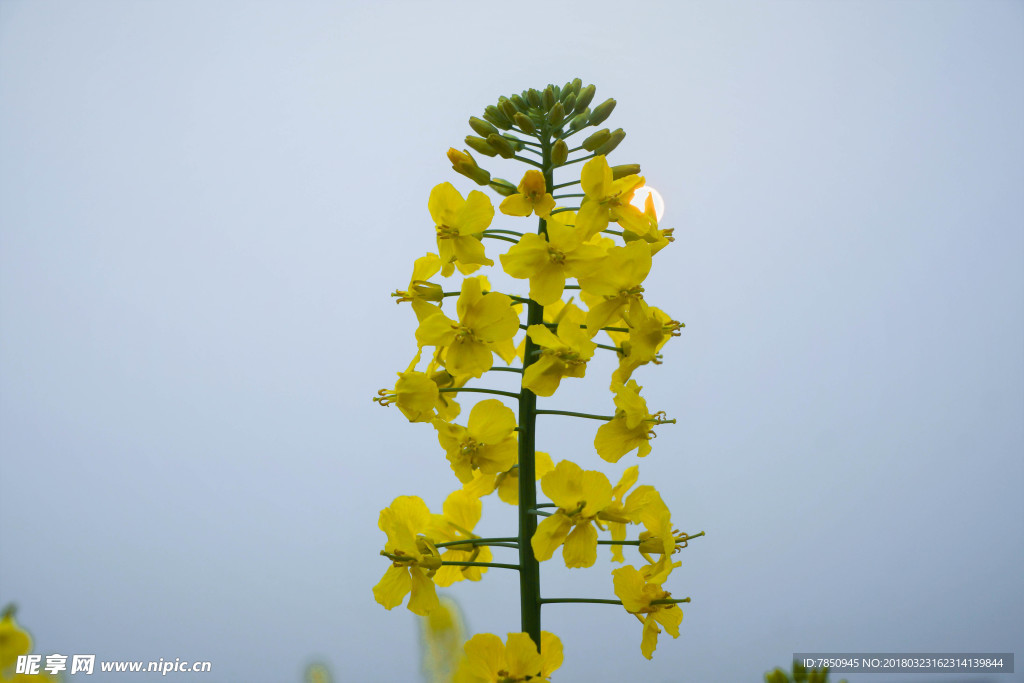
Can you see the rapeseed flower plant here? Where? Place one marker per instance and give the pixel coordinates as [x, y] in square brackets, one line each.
[583, 271]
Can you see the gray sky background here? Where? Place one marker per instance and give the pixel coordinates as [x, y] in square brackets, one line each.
[204, 207]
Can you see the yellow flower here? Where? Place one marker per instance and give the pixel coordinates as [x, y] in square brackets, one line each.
[488, 442]
[418, 396]
[580, 495]
[532, 197]
[619, 513]
[487, 322]
[649, 330]
[630, 428]
[563, 353]
[487, 660]
[637, 597]
[659, 539]
[414, 559]
[657, 239]
[420, 289]
[459, 223]
[608, 200]
[615, 285]
[547, 262]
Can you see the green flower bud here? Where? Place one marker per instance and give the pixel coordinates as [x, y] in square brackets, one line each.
[623, 170]
[556, 114]
[602, 111]
[494, 116]
[583, 98]
[508, 109]
[569, 102]
[521, 104]
[549, 98]
[502, 145]
[579, 121]
[596, 139]
[559, 153]
[480, 145]
[481, 127]
[617, 136]
[503, 187]
[534, 97]
[576, 85]
[524, 123]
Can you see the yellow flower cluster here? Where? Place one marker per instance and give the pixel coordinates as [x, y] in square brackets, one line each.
[598, 247]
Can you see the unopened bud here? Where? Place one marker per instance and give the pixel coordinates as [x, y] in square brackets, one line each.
[596, 139]
[464, 163]
[579, 121]
[494, 116]
[503, 187]
[576, 85]
[480, 145]
[524, 123]
[618, 135]
[549, 97]
[520, 103]
[569, 102]
[584, 97]
[602, 111]
[534, 97]
[559, 153]
[502, 145]
[556, 114]
[623, 170]
[508, 109]
[481, 127]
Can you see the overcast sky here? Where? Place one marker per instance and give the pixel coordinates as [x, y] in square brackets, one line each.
[205, 205]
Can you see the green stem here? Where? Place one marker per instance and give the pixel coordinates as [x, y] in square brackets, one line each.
[573, 161]
[531, 162]
[564, 196]
[613, 543]
[617, 349]
[565, 208]
[529, 572]
[500, 237]
[519, 370]
[475, 541]
[572, 414]
[560, 185]
[596, 601]
[541, 513]
[474, 390]
[491, 231]
[499, 565]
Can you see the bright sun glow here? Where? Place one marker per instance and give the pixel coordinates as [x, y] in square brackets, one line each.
[640, 196]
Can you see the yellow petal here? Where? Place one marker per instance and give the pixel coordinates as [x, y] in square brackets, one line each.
[444, 204]
[523, 658]
[580, 548]
[424, 595]
[550, 652]
[516, 205]
[476, 214]
[563, 485]
[491, 421]
[393, 587]
[550, 534]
